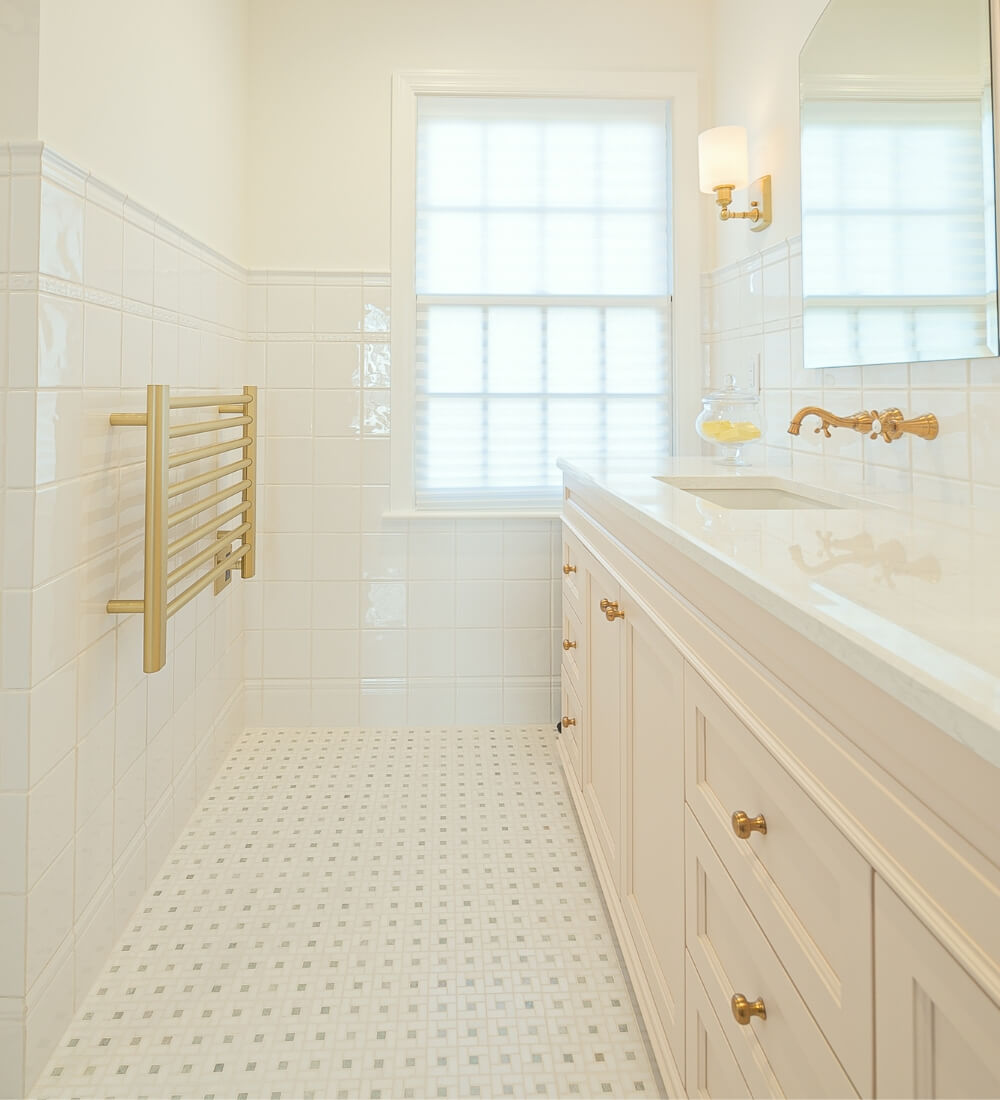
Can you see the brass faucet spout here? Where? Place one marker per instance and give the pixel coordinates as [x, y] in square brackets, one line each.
[859, 422]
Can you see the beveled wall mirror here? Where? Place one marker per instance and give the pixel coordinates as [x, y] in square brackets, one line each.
[899, 258]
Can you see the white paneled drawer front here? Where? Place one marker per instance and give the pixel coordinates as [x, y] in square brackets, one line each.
[574, 573]
[783, 1053]
[572, 725]
[807, 886]
[712, 1069]
[574, 650]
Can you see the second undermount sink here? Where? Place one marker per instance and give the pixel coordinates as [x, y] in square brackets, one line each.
[763, 493]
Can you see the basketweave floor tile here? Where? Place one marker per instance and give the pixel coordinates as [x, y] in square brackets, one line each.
[368, 913]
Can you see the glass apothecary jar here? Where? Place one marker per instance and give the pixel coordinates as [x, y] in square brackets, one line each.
[730, 418]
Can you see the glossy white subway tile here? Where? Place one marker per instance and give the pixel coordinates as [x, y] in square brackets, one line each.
[137, 264]
[50, 915]
[22, 339]
[339, 309]
[103, 249]
[25, 207]
[60, 233]
[51, 816]
[289, 364]
[54, 715]
[13, 920]
[290, 308]
[338, 365]
[14, 851]
[60, 341]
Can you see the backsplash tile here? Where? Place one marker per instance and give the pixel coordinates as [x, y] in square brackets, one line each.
[754, 307]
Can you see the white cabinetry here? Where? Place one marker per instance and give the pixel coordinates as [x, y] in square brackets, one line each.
[937, 1032]
[603, 775]
[654, 833]
[759, 833]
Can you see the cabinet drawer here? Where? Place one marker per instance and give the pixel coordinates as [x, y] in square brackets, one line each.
[572, 731]
[712, 1069]
[785, 1053]
[574, 658]
[574, 573]
[808, 887]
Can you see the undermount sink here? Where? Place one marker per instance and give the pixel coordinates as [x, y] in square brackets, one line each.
[762, 493]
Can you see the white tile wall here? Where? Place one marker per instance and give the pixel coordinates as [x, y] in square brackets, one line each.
[351, 619]
[354, 618]
[100, 764]
[752, 311]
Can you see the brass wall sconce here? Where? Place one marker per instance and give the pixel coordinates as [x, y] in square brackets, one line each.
[723, 168]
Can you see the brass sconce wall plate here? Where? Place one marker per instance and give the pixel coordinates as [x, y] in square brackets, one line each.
[760, 199]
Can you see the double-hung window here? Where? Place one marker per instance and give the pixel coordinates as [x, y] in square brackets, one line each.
[541, 294]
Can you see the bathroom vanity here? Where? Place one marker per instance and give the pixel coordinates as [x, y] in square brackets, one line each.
[782, 734]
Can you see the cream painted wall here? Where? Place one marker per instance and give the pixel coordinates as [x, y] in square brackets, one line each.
[18, 70]
[320, 97]
[756, 58]
[151, 96]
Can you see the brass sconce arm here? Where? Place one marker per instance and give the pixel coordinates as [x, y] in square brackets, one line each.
[890, 424]
[760, 203]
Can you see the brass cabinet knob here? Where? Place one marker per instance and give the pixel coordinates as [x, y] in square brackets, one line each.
[567, 569]
[567, 721]
[744, 1010]
[743, 825]
[610, 609]
[567, 644]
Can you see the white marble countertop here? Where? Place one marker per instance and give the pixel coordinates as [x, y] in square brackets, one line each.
[905, 592]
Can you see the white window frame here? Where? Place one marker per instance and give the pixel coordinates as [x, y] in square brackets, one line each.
[677, 88]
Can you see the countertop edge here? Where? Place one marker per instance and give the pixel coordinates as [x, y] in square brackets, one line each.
[955, 714]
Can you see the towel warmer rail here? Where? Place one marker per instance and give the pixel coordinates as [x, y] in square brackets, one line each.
[157, 606]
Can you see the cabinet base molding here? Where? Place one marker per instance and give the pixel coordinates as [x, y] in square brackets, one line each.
[673, 1078]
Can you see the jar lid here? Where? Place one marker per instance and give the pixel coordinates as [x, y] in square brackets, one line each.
[732, 393]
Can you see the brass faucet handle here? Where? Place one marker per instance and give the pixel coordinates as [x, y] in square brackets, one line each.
[894, 425]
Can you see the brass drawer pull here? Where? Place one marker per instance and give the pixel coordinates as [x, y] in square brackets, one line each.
[610, 609]
[567, 644]
[567, 569]
[567, 721]
[744, 1010]
[743, 825]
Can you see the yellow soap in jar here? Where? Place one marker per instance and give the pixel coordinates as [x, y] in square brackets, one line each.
[729, 431]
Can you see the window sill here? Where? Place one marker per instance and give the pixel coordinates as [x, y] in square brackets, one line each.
[471, 513]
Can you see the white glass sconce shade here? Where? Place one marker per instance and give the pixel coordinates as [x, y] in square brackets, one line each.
[723, 160]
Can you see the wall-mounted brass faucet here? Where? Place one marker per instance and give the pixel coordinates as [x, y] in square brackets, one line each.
[890, 424]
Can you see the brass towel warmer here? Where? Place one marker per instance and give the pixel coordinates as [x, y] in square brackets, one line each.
[155, 606]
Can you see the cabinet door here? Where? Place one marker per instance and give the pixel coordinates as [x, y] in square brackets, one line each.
[603, 771]
[654, 834]
[937, 1032]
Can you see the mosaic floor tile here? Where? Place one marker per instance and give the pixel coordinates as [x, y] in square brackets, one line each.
[372, 913]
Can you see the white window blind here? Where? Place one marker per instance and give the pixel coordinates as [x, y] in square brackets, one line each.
[897, 225]
[542, 293]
